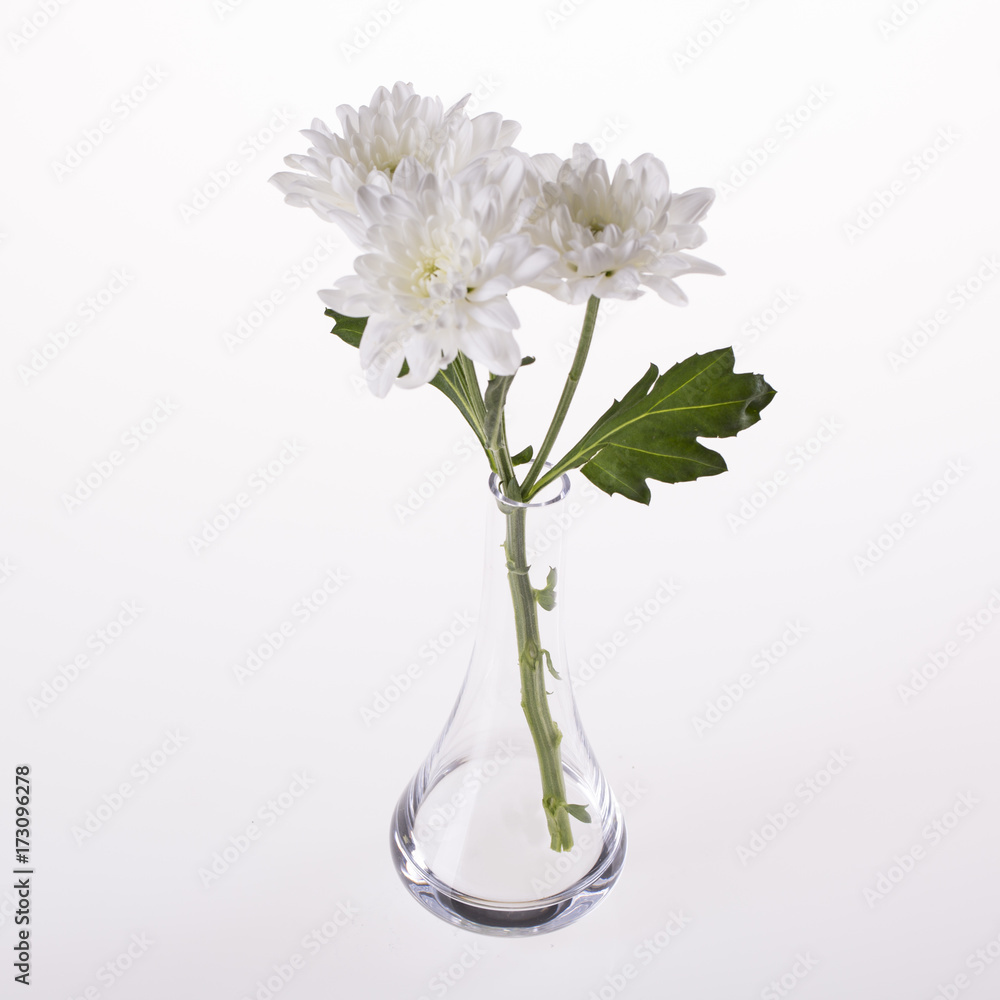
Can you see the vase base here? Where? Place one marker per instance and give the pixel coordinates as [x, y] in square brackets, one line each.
[503, 919]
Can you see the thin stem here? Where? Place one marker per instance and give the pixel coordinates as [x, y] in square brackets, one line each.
[545, 732]
[569, 390]
[500, 457]
[550, 476]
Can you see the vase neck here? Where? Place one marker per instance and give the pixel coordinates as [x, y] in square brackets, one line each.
[533, 536]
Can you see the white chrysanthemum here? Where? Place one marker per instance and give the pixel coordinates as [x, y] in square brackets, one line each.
[442, 257]
[614, 235]
[376, 138]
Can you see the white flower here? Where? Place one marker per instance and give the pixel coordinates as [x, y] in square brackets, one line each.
[442, 256]
[614, 235]
[376, 138]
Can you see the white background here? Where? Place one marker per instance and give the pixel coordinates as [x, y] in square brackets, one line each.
[846, 448]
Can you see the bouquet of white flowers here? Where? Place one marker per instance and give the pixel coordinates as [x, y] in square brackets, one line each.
[449, 218]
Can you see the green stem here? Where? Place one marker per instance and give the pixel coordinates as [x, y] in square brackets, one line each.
[569, 390]
[545, 732]
[500, 457]
[564, 465]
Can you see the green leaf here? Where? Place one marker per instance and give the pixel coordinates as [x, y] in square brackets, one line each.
[579, 812]
[522, 457]
[546, 596]
[348, 328]
[552, 669]
[449, 380]
[496, 396]
[651, 432]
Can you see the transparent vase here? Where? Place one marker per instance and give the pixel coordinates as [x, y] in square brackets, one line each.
[509, 827]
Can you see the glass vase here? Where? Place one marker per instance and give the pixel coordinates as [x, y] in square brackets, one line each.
[509, 827]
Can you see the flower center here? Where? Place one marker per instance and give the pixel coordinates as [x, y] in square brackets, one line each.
[430, 269]
[385, 161]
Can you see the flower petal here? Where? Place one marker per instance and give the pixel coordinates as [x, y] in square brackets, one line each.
[667, 289]
[497, 349]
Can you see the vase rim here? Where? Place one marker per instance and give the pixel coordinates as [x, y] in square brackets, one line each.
[564, 484]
